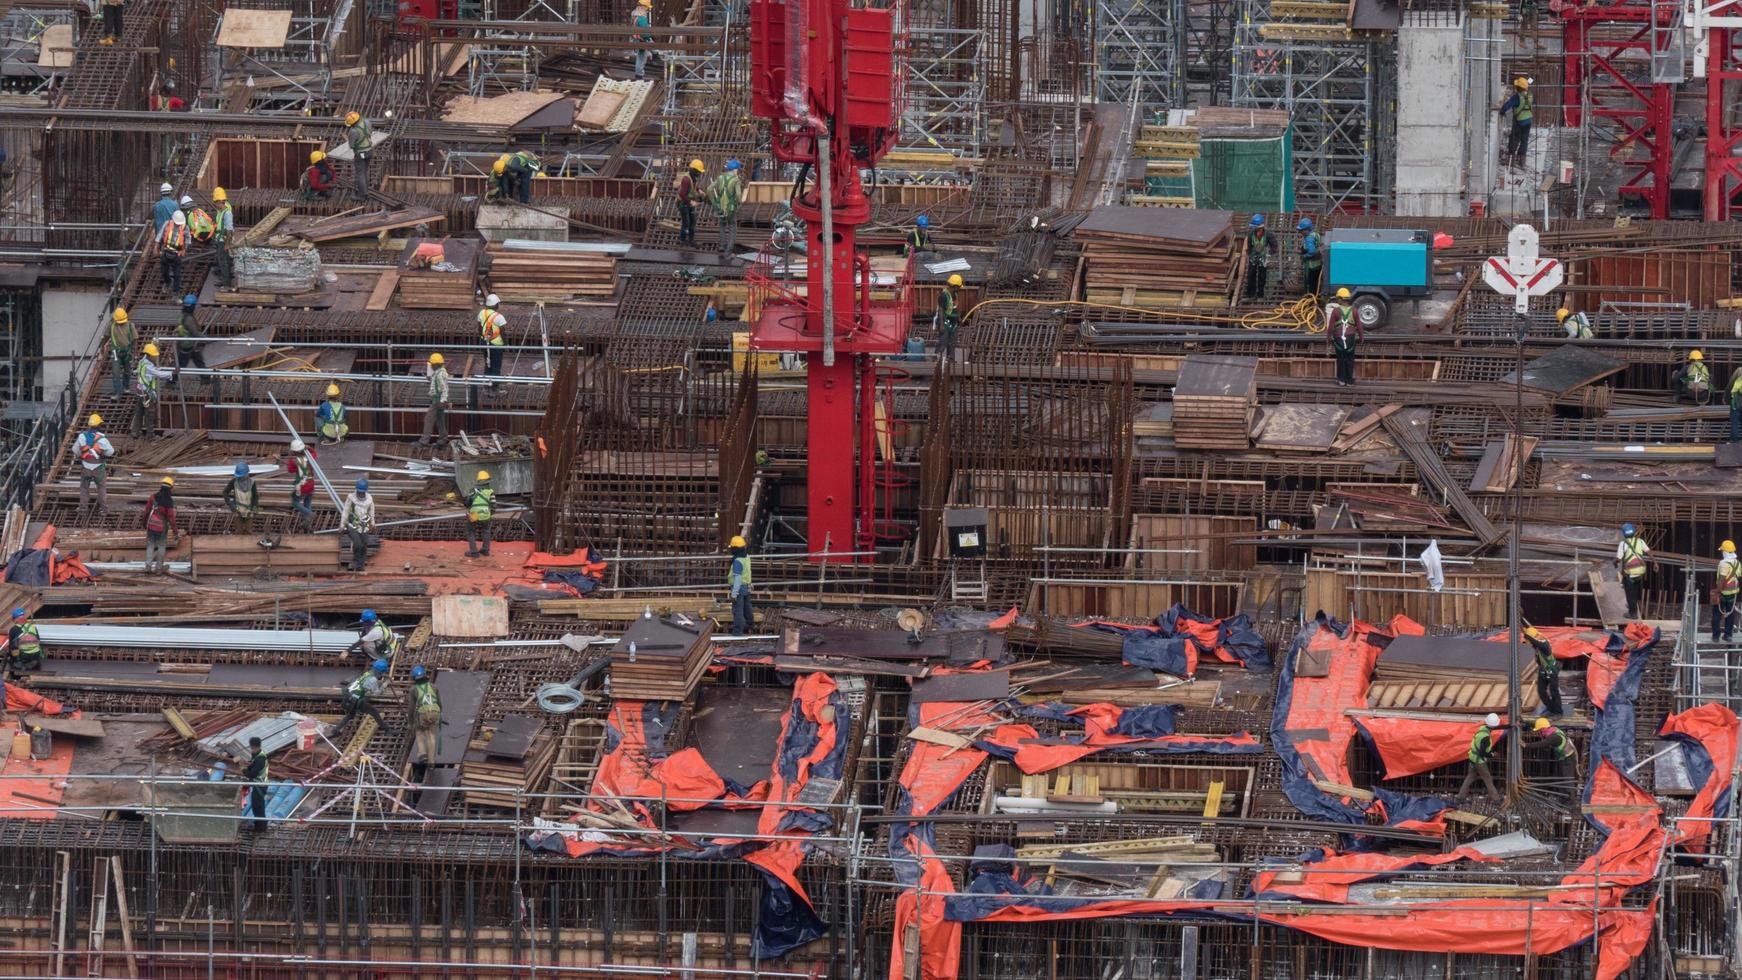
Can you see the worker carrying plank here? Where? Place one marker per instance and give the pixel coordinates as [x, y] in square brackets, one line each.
[1630, 558]
[426, 712]
[1728, 583]
[357, 518]
[93, 450]
[1481, 754]
[361, 140]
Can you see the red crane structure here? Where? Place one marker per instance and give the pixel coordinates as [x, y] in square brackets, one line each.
[827, 76]
[1611, 52]
[1717, 29]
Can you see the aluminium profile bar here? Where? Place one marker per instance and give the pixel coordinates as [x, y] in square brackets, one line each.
[182, 638]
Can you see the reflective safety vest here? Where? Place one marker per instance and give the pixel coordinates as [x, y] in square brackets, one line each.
[144, 378]
[918, 240]
[741, 571]
[389, 642]
[1729, 576]
[355, 516]
[1526, 107]
[200, 223]
[1310, 256]
[481, 505]
[728, 192]
[1579, 327]
[88, 451]
[305, 469]
[1559, 744]
[360, 139]
[357, 688]
[1736, 388]
[424, 695]
[490, 324]
[1482, 746]
[29, 641]
[1699, 373]
[175, 238]
[335, 412]
[226, 221]
[1634, 550]
[1545, 658]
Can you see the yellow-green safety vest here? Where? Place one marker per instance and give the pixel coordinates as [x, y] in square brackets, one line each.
[1729, 576]
[29, 641]
[1482, 746]
[481, 505]
[424, 692]
[1634, 563]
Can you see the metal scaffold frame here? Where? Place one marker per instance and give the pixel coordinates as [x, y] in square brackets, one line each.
[21, 36]
[1334, 91]
[1139, 48]
[946, 91]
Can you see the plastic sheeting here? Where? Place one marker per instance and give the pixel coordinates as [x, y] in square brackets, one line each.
[1410, 746]
[1709, 734]
[1106, 727]
[1327, 877]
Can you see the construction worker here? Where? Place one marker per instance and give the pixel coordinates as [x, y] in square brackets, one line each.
[642, 19]
[501, 185]
[300, 466]
[1694, 380]
[242, 499]
[1522, 105]
[165, 99]
[435, 417]
[1312, 258]
[94, 451]
[361, 140]
[738, 586]
[225, 221]
[189, 348]
[1481, 754]
[918, 237]
[318, 179]
[480, 515]
[23, 644]
[200, 223]
[1260, 249]
[1343, 330]
[522, 167]
[330, 419]
[372, 682]
[1728, 584]
[357, 517]
[112, 11]
[1577, 325]
[1736, 405]
[689, 194]
[121, 338]
[255, 774]
[376, 640]
[1565, 757]
[1548, 672]
[948, 317]
[173, 246]
[1630, 555]
[146, 378]
[164, 209]
[160, 526]
[727, 193]
[426, 712]
[490, 326]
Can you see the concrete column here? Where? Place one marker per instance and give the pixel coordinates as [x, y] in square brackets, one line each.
[70, 319]
[1433, 113]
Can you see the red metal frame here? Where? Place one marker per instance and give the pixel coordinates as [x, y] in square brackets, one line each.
[1644, 113]
[830, 68]
[1723, 198]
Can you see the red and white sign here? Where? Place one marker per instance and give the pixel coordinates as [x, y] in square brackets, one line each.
[1521, 273]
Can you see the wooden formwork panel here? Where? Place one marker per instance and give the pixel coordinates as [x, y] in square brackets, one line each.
[240, 162]
[1380, 595]
[1132, 603]
[1699, 279]
[1212, 535]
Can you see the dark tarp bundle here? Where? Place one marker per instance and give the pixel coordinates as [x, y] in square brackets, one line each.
[1708, 735]
[1612, 724]
[1106, 727]
[1230, 640]
[31, 566]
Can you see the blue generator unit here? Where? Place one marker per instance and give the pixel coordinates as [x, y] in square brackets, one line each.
[1378, 266]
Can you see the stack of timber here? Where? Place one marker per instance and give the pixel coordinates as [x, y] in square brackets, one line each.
[447, 284]
[514, 759]
[1451, 674]
[1139, 256]
[523, 272]
[242, 556]
[1214, 402]
[660, 659]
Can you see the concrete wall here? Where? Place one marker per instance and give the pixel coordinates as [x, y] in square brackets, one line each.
[70, 319]
[1432, 111]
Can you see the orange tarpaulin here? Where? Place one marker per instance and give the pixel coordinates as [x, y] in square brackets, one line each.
[1409, 746]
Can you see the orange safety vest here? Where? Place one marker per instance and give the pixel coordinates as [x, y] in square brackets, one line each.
[490, 326]
[175, 238]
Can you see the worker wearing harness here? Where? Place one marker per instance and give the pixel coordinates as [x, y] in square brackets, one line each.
[1566, 758]
[94, 450]
[357, 693]
[1344, 332]
[1724, 600]
[23, 644]
[426, 713]
[1481, 753]
[480, 515]
[1548, 672]
[1630, 555]
[490, 324]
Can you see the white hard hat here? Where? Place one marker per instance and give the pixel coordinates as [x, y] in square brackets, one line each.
[492, 299]
[185, 200]
[164, 188]
[296, 446]
[1492, 721]
[180, 218]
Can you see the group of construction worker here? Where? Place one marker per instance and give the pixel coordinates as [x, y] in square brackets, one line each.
[1544, 733]
[1261, 252]
[512, 175]
[724, 193]
[145, 376]
[176, 225]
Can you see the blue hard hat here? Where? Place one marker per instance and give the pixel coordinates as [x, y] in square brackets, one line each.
[368, 615]
[922, 221]
[380, 666]
[362, 486]
[190, 300]
[1306, 224]
[733, 165]
[418, 673]
[713, 314]
[241, 469]
[1628, 530]
[19, 613]
[1257, 220]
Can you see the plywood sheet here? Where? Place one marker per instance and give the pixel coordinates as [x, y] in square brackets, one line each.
[469, 615]
[971, 686]
[737, 730]
[498, 110]
[55, 48]
[245, 28]
[1308, 428]
[600, 109]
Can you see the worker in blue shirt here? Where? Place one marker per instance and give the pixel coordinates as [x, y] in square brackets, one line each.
[1312, 258]
[163, 210]
[1522, 105]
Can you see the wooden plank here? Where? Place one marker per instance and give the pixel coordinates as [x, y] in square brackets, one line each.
[180, 724]
[382, 294]
[469, 615]
[599, 109]
[80, 727]
[247, 28]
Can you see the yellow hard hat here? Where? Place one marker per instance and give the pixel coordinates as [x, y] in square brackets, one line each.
[1541, 723]
[1562, 314]
[1696, 355]
[351, 118]
[698, 165]
[1533, 632]
[956, 280]
[1521, 82]
[219, 195]
[96, 419]
[500, 165]
[435, 359]
[151, 350]
[316, 157]
[1728, 545]
[737, 542]
[483, 475]
[332, 391]
[1343, 292]
[120, 315]
[168, 481]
